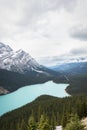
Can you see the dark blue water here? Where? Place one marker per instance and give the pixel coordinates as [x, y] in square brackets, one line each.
[27, 94]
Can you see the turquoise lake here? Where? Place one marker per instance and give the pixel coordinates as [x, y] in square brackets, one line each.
[27, 94]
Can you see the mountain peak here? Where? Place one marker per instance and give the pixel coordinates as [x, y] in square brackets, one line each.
[1, 44]
[18, 61]
[21, 54]
[20, 51]
[4, 47]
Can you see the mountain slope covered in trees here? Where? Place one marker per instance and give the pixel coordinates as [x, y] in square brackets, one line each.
[58, 111]
[76, 74]
[19, 69]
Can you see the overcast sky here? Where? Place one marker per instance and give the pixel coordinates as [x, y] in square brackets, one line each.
[45, 27]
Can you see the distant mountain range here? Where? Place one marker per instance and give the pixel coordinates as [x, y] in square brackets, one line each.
[76, 74]
[59, 60]
[72, 68]
[19, 69]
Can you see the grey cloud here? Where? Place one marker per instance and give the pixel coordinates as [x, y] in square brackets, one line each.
[79, 51]
[8, 4]
[33, 10]
[10, 15]
[79, 33]
[30, 11]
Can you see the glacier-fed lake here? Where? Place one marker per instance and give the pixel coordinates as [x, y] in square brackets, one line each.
[27, 94]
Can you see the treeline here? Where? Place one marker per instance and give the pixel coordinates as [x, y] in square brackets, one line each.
[77, 83]
[13, 80]
[57, 111]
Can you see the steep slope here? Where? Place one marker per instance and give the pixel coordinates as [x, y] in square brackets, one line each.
[58, 111]
[18, 61]
[19, 69]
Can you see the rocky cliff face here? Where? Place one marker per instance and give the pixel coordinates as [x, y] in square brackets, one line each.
[19, 69]
[18, 61]
[3, 91]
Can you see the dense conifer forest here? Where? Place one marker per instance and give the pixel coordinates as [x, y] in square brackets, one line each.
[57, 111]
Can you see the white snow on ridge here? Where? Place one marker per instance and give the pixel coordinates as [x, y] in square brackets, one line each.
[16, 61]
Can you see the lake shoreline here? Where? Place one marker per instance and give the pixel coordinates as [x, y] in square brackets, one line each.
[29, 93]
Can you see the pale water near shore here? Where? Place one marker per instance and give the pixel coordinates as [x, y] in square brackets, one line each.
[27, 94]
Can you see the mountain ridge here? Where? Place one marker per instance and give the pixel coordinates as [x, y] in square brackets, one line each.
[76, 73]
[19, 69]
[50, 61]
[13, 61]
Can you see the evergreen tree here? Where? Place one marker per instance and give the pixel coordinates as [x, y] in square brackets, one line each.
[64, 119]
[57, 110]
[44, 124]
[32, 124]
[18, 127]
[53, 121]
[39, 112]
[23, 125]
[74, 124]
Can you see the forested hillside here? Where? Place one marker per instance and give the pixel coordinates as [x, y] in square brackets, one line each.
[57, 110]
[76, 74]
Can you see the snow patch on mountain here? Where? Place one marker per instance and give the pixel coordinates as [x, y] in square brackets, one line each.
[18, 61]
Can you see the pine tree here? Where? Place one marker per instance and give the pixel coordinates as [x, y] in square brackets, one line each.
[18, 127]
[74, 124]
[32, 124]
[44, 124]
[64, 119]
[23, 125]
[39, 112]
[53, 121]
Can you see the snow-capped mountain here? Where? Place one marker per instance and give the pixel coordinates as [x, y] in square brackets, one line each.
[19, 69]
[4, 48]
[18, 61]
[5, 51]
